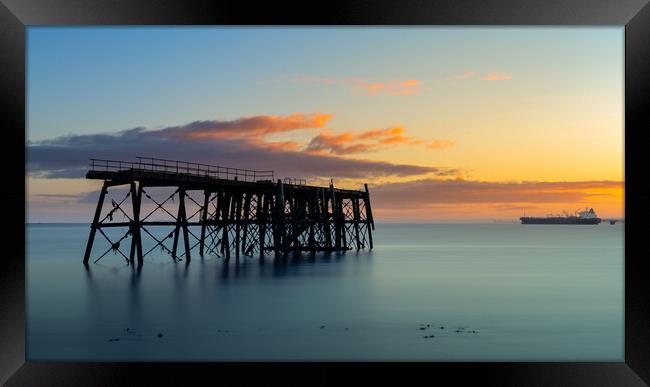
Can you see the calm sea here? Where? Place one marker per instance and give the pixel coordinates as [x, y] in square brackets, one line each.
[478, 292]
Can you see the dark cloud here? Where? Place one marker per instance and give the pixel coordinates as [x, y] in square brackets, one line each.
[255, 126]
[210, 142]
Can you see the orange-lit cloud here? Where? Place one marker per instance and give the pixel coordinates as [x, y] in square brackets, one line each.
[241, 143]
[496, 76]
[370, 140]
[255, 126]
[370, 88]
[393, 87]
[338, 144]
[277, 145]
[376, 133]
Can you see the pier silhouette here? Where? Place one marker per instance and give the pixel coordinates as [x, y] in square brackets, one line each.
[238, 211]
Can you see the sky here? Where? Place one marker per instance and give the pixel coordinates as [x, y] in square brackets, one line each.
[444, 124]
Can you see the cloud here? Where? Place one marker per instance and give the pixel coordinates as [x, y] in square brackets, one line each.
[393, 88]
[239, 143]
[278, 145]
[420, 200]
[370, 88]
[496, 76]
[370, 140]
[427, 192]
[464, 75]
[255, 126]
[338, 144]
[437, 199]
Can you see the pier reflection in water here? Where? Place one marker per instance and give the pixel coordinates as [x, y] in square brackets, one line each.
[529, 293]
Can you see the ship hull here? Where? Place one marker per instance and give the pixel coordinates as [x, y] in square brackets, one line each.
[559, 220]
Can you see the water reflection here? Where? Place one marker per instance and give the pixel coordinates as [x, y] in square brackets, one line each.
[134, 302]
[308, 264]
[560, 300]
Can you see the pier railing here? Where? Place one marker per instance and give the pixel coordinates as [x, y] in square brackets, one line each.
[149, 164]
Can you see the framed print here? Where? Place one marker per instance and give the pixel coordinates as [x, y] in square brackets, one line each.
[436, 188]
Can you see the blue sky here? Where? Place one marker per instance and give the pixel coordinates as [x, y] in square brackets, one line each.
[97, 79]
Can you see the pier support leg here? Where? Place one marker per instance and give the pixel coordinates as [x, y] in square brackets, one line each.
[237, 217]
[357, 220]
[259, 217]
[245, 221]
[325, 219]
[343, 232]
[95, 223]
[335, 219]
[267, 204]
[218, 212]
[312, 219]
[294, 224]
[279, 219]
[225, 243]
[186, 236]
[204, 219]
[181, 224]
[369, 218]
[136, 242]
[138, 228]
[176, 230]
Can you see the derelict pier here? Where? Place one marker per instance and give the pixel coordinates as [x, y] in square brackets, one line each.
[222, 211]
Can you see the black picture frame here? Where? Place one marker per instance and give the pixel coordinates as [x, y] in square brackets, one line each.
[16, 15]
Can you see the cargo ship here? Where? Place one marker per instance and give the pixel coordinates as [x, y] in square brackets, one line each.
[582, 217]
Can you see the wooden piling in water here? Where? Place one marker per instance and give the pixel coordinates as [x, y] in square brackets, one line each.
[94, 225]
[204, 220]
[370, 223]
